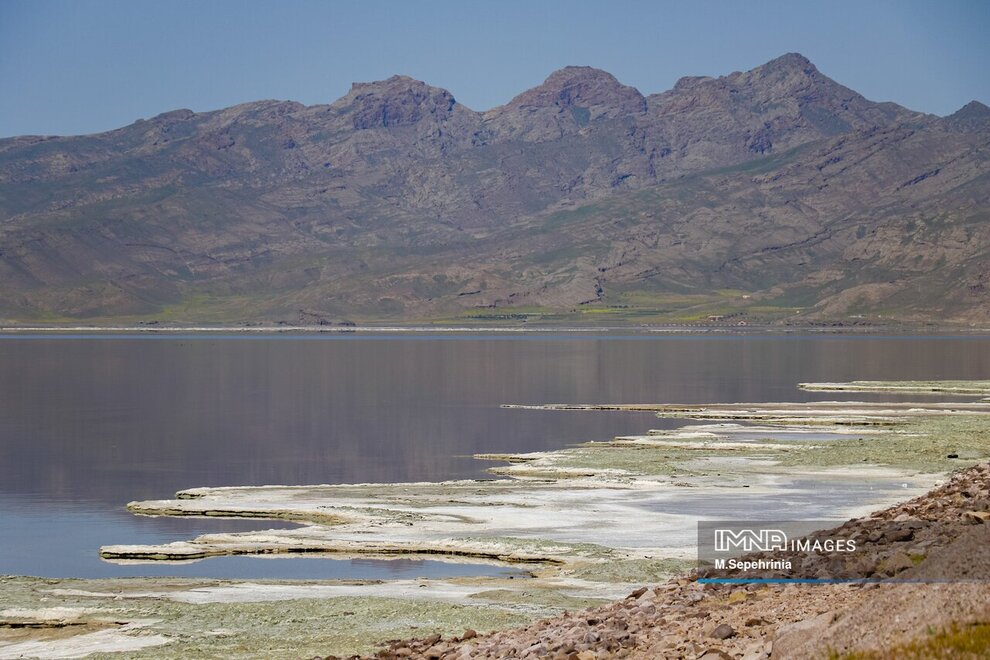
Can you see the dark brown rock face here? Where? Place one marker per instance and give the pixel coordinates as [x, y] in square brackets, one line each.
[396, 201]
[398, 101]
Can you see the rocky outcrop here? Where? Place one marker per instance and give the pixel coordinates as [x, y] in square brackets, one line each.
[570, 101]
[973, 117]
[398, 101]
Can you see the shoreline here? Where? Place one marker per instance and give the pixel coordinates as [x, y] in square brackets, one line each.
[923, 593]
[679, 617]
[587, 522]
[906, 330]
[643, 485]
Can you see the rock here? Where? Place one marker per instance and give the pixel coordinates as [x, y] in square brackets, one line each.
[976, 517]
[861, 567]
[737, 596]
[898, 534]
[470, 633]
[537, 649]
[899, 561]
[790, 638]
[756, 651]
[715, 654]
[723, 631]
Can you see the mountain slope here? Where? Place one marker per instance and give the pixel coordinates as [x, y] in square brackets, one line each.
[773, 193]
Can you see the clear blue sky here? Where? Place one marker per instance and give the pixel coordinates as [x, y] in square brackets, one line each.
[81, 66]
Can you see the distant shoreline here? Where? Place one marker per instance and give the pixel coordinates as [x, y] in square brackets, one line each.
[474, 329]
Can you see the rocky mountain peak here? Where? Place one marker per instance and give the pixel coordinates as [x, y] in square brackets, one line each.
[395, 101]
[972, 110]
[390, 84]
[785, 66]
[689, 82]
[582, 87]
[181, 114]
[974, 116]
[791, 62]
[791, 75]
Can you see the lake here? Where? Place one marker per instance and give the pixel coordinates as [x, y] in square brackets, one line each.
[88, 423]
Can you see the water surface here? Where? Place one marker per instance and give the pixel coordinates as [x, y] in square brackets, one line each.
[90, 423]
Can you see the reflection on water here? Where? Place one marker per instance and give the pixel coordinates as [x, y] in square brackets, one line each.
[87, 424]
[28, 529]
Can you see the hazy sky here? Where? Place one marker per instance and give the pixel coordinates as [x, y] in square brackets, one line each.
[81, 66]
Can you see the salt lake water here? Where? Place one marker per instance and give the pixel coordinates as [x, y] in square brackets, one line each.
[88, 423]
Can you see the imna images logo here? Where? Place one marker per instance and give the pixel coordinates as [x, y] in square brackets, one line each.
[766, 550]
[750, 540]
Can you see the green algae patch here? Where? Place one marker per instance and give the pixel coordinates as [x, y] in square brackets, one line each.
[544, 547]
[927, 444]
[633, 571]
[619, 460]
[306, 627]
[857, 433]
[551, 601]
[297, 628]
[946, 387]
[591, 460]
[658, 460]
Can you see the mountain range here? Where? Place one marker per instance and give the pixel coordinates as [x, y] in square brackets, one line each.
[774, 195]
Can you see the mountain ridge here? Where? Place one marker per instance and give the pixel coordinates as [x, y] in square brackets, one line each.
[274, 210]
[788, 60]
